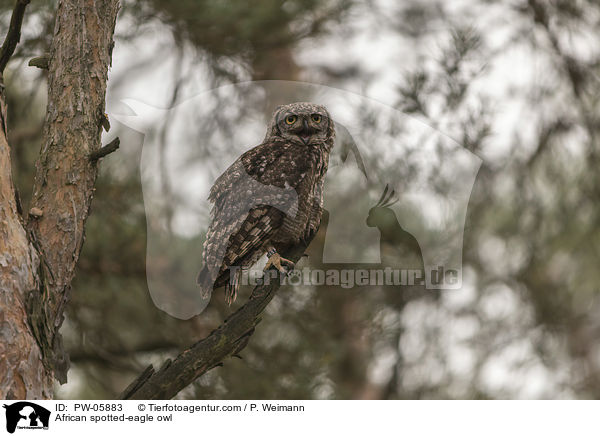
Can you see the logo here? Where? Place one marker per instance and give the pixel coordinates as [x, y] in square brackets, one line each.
[26, 415]
[395, 194]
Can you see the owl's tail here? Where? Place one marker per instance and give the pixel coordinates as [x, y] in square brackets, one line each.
[232, 286]
[206, 283]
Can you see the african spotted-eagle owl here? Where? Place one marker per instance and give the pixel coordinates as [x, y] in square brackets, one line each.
[270, 199]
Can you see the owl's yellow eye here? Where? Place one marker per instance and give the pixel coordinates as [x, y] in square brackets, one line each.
[291, 119]
[316, 118]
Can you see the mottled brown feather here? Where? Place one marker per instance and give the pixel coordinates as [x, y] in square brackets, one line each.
[272, 194]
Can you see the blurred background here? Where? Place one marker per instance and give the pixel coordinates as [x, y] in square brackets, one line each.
[515, 82]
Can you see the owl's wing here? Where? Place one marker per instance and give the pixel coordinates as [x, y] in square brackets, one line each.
[256, 163]
[257, 229]
[251, 199]
[239, 249]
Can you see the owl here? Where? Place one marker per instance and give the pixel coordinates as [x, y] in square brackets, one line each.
[269, 199]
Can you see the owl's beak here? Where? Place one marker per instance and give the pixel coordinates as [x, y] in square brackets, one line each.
[305, 137]
[304, 134]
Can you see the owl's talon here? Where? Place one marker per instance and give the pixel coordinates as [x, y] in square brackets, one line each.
[276, 260]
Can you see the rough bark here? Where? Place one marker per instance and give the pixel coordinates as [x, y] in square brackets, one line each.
[22, 374]
[37, 264]
[65, 176]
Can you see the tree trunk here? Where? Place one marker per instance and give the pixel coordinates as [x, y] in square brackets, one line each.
[37, 265]
[21, 371]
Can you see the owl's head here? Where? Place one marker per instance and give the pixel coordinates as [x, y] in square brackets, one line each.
[303, 124]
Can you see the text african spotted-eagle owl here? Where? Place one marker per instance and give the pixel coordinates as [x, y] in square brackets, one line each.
[269, 199]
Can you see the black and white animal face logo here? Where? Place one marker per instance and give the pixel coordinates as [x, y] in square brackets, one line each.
[26, 415]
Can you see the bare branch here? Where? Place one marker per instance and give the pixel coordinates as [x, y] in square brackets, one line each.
[226, 341]
[107, 149]
[14, 33]
[138, 382]
[41, 62]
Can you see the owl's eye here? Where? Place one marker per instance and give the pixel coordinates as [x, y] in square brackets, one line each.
[291, 119]
[316, 118]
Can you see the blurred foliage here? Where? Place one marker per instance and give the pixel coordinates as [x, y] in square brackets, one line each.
[529, 310]
[251, 31]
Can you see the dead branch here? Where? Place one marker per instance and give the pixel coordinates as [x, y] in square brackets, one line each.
[226, 341]
[41, 62]
[107, 149]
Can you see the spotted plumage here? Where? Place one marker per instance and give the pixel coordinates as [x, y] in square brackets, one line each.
[270, 198]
